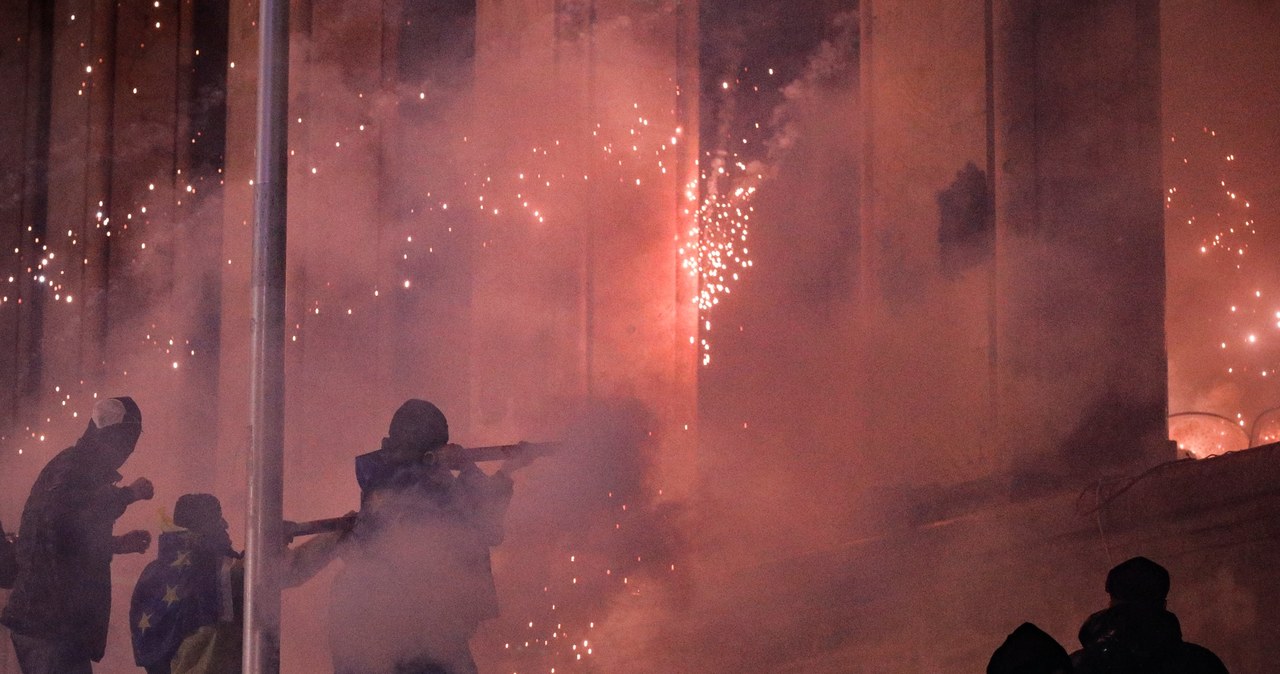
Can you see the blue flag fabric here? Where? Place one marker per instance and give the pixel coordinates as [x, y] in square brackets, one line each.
[177, 594]
[373, 470]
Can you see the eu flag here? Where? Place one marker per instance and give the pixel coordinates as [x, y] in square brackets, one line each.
[187, 587]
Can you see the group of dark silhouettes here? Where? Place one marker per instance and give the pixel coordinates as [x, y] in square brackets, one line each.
[416, 555]
[419, 542]
[1136, 634]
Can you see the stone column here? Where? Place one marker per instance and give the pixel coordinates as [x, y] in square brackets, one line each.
[1083, 379]
[1051, 361]
[926, 240]
[237, 252]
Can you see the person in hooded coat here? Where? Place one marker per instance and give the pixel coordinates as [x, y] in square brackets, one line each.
[1029, 650]
[61, 603]
[188, 586]
[416, 581]
[187, 610]
[1137, 634]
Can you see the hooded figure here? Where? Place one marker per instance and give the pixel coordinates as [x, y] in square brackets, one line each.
[416, 582]
[1029, 650]
[187, 611]
[1136, 634]
[187, 587]
[61, 602]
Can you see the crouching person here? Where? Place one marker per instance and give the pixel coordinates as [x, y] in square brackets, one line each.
[187, 611]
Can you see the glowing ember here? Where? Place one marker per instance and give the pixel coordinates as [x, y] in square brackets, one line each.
[1218, 222]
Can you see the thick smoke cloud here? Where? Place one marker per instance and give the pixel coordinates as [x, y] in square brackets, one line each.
[606, 566]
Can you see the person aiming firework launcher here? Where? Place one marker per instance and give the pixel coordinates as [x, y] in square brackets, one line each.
[373, 468]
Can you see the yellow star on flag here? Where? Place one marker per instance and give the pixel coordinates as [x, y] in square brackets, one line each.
[145, 623]
[170, 595]
[184, 559]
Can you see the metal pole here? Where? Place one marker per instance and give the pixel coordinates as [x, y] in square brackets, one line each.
[265, 534]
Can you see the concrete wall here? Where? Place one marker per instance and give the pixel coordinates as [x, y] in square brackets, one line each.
[941, 594]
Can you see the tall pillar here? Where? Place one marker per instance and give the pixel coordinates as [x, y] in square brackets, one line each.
[1012, 256]
[925, 267]
[27, 71]
[199, 226]
[68, 162]
[342, 239]
[237, 253]
[429, 61]
[1079, 215]
[100, 75]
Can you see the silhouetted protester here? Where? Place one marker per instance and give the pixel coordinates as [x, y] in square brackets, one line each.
[1029, 650]
[188, 587]
[61, 601]
[187, 611]
[1136, 633]
[416, 581]
[8, 560]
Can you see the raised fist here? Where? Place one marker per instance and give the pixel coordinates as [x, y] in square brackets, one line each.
[142, 489]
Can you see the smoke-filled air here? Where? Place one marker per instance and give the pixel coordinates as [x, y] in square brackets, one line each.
[636, 336]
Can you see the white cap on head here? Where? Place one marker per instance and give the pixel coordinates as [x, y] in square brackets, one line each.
[108, 412]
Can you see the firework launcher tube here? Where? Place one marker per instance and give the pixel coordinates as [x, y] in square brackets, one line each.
[293, 530]
[454, 456]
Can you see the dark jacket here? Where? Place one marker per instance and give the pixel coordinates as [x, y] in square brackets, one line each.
[472, 504]
[1140, 639]
[8, 562]
[417, 564]
[63, 587]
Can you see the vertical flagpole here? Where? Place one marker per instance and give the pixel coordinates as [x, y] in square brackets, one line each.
[266, 455]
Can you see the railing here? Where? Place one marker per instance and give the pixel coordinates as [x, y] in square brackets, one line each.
[1203, 434]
